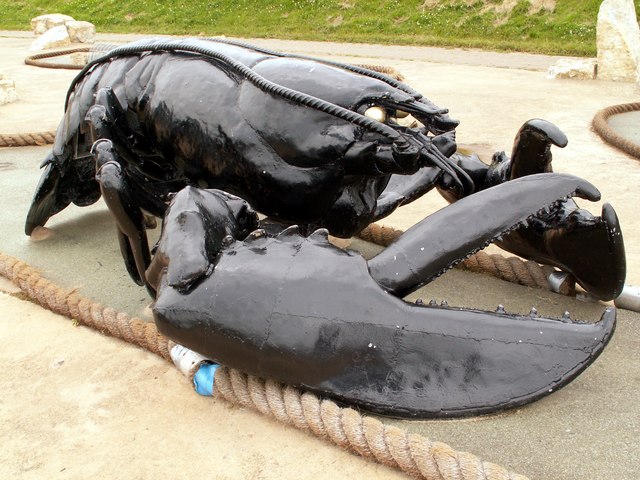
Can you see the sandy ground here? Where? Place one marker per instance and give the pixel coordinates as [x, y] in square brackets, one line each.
[77, 404]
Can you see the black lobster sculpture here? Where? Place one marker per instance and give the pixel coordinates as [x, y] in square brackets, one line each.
[318, 147]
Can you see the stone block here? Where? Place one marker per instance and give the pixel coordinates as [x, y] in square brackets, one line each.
[81, 32]
[79, 58]
[618, 41]
[583, 69]
[41, 24]
[8, 92]
[55, 37]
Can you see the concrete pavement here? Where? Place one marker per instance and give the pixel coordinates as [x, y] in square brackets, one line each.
[78, 404]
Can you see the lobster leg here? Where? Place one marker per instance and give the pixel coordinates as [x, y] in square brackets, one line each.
[403, 189]
[129, 218]
[204, 220]
[106, 120]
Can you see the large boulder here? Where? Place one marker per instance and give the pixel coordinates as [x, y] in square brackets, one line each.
[41, 24]
[618, 41]
[81, 32]
[7, 90]
[55, 37]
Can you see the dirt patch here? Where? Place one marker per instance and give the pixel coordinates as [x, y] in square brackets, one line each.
[335, 21]
[502, 9]
[541, 5]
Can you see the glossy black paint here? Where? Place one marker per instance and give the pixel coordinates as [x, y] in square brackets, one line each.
[180, 119]
[287, 135]
[299, 310]
[291, 142]
[449, 235]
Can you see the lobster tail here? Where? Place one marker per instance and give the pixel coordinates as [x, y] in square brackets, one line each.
[47, 200]
[59, 186]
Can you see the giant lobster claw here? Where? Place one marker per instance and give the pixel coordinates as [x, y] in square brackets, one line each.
[302, 311]
[591, 248]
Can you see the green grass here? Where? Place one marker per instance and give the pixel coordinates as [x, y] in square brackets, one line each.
[569, 29]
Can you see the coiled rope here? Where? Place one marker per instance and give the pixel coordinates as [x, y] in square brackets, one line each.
[413, 454]
[609, 135]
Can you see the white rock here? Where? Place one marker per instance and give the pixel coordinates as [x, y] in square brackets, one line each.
[41, 24]
[7, 90]
[53, 38]
[583, 69]
[618, 41]
[81, 32]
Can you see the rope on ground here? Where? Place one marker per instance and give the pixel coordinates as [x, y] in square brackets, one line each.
[368, 437]
[26, 139]
[392, 72]
[512, 269]
[78, 308]
[37, 60]
[345, 427]
[609, 135]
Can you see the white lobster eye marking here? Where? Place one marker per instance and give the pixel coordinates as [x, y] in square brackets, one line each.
[376, 113]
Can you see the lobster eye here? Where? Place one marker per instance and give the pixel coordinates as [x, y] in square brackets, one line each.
[376, 113]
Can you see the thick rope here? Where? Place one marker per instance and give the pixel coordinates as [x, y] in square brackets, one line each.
[26, 139]
[82, 310]
[366, 436]
[512, 269]
[37, 60]
[609, 135]
[345, 427]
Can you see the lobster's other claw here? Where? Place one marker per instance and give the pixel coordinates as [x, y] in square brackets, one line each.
[590, 248]
[306, 313]
[532, 147]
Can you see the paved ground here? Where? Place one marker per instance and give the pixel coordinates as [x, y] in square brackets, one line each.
[626, 124]
[77, 404]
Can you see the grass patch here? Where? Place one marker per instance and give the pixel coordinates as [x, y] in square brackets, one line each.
[561, 27]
